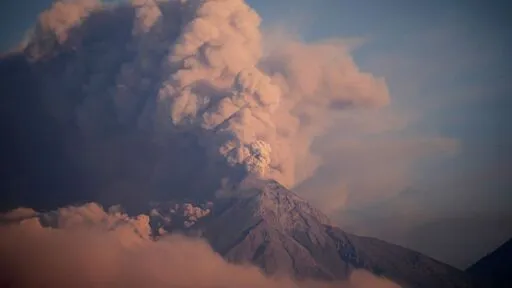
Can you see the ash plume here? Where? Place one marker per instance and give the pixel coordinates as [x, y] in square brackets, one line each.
[153, 96]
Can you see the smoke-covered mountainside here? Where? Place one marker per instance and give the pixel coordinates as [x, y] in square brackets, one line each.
[275, 229]
[260, 222]
[495, 268]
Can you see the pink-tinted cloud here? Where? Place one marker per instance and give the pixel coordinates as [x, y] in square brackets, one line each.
[89, 247]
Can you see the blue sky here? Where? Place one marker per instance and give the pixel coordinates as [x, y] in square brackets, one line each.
[447, 67]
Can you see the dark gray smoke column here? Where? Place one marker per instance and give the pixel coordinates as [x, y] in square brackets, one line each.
[163, 99]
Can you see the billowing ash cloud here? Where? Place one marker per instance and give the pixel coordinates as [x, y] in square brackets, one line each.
[62, 17]
[152, 92]
[88, 247]
[214, 82]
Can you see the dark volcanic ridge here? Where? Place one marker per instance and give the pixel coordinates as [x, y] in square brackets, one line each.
[262, 223]
[495, 268]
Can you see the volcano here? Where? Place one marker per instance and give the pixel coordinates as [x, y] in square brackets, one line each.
[261, 222]
[131, 103]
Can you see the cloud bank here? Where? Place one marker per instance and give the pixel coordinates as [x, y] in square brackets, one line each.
[88, 247]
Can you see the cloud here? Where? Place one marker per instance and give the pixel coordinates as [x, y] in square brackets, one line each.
[355, 156]
[320, 81]
[88, 247]
[62, 17]
[364, 168]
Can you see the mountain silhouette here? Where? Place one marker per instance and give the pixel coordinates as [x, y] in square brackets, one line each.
[495, 268]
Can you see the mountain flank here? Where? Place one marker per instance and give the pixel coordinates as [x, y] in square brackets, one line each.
[261, 222]
[495, 268]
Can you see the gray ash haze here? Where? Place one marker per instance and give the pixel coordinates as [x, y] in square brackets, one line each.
[389, 118]
[199, 66]
[148, 88]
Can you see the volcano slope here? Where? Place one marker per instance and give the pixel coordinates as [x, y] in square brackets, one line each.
[261, 222]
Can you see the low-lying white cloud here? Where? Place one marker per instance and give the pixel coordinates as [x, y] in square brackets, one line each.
[88, 247]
